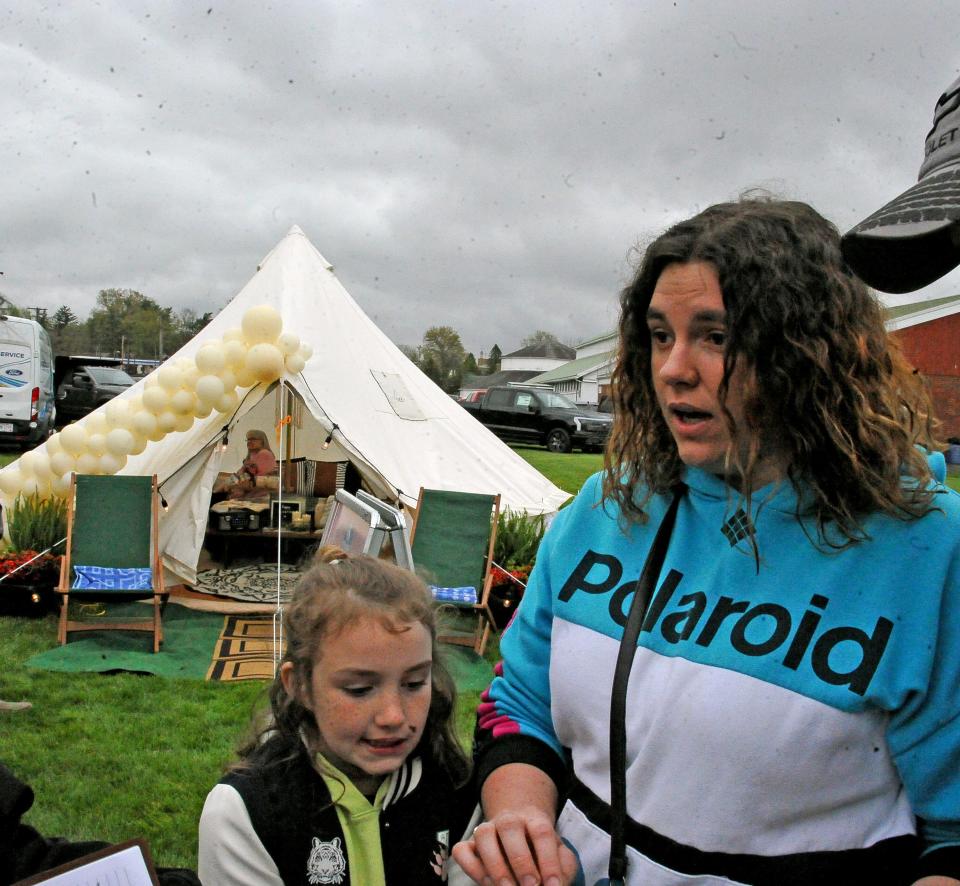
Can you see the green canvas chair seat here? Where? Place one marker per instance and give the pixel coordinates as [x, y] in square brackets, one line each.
[452, 541]
[113, 552]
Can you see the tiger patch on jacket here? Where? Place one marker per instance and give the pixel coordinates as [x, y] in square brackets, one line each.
[326, 863]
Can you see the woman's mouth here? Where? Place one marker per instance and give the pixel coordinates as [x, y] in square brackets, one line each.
[688, 415]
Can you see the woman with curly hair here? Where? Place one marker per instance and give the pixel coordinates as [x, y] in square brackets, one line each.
[786, 708]
[357, 775]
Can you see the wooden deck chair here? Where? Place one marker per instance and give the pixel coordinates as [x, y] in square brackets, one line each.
[452, 541]
[113, 551]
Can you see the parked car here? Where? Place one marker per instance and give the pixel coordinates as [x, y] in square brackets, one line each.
[541, 416]
[86, 388]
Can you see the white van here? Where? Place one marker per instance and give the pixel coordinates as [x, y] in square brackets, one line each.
[27, 402]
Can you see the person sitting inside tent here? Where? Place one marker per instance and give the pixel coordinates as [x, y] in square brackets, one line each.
[253, 478]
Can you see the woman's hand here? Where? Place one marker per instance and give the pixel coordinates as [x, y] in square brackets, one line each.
[517, 847]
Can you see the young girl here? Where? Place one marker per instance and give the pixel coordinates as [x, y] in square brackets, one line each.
[358, 777]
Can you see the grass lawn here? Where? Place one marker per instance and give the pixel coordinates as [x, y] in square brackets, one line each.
[115, 756]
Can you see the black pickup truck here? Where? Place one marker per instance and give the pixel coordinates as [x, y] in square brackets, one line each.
[539, 415]
[82, 387]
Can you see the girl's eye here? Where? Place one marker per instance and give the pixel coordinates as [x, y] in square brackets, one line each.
[356, 691]
[415, 685]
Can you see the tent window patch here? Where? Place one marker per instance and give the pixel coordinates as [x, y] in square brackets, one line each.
[398, 395]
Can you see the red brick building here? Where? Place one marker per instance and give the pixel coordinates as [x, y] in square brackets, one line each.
[929, 333]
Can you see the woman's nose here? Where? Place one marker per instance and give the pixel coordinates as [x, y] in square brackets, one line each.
[679, 366]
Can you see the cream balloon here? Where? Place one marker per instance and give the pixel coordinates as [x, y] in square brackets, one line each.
[110, 463]
[262, 323]
[294, 364]
[152, 380]
[167, 422]
[170, 377]
[265, 362]
[11, 481]
[288, 343]
[184, 422]
[210, 388]
[54, 445]
[119, 442]
[228, 402]
[306, 351]
[41, 464]
[62, 463]
[234, 333]
[144, 423]
[88, 463]
[156, 400]
[96, 423]
[29, 487]
[96, 444]
[202, 409]
[211, 358]
[235, 352]
[183, 363]
[244, 377]
[157, 435]
[118, 413]
[61, 486]
[25, 463]
[73, 439]
[190, 376]
[139, 444]
[183, 402]
[229, 380]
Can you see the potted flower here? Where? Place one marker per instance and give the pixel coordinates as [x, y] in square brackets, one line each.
[515, 552]
[30, 566]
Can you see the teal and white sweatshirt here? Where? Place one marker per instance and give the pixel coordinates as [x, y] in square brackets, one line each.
[794, 722]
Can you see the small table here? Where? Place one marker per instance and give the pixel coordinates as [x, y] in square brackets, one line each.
[291, 542]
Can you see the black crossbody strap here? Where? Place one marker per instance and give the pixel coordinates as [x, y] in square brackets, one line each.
[617, 869]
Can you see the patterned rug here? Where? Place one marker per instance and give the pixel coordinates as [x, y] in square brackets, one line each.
[244, 650]
[256, 583]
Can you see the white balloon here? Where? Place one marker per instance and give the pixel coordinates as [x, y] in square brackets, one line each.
[158, 434]
[183, 363]
[29, 487]
[265, 362]
[110, 464]
[88, 463]
[184, 422]
[96, 422]
[41, 464]
[209, 388]
[73, 438]
[156, 400]
[228, 402]
[166, 422]
[288, 343]
[190, 376]
[294, 364]
[118, 413]
[119, 442]
[262, 323]
[244, 377]
[202, 409]
[229, 380]
[54, 445]
[234, 333]
[11, 480]
[235, 352]
[183, 402]
[211, 358]
[170, 377]
[62, 463]
[144, 423]
[139, 444]
[97, 444]
[306, 351]
[25, 463]
[61, 486]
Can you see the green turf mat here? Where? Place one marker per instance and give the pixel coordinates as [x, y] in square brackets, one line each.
[188, 640]
[470, 672]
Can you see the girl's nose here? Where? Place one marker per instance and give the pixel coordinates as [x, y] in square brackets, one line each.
[392, 711]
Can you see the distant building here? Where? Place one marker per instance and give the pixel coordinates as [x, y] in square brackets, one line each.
[520, 366]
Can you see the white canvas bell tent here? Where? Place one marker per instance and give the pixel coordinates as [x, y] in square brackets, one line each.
[382, 414]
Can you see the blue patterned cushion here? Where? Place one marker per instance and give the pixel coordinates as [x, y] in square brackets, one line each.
[111, 578]
[454, 595]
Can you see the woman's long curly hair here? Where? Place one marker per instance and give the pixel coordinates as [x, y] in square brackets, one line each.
[337, 591]
[827, 392]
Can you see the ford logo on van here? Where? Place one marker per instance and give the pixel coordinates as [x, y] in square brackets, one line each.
[14, 372]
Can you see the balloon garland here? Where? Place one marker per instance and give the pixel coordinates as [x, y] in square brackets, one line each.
[174, 396]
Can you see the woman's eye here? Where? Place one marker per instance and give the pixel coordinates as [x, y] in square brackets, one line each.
[659, 336]
[717, 338]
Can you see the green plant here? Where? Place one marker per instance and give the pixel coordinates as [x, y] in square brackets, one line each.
[518, 538]
[36, 524]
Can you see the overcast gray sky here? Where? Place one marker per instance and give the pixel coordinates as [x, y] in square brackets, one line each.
[483, 165]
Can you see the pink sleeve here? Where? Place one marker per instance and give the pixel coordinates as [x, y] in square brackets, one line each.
[265, 461]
